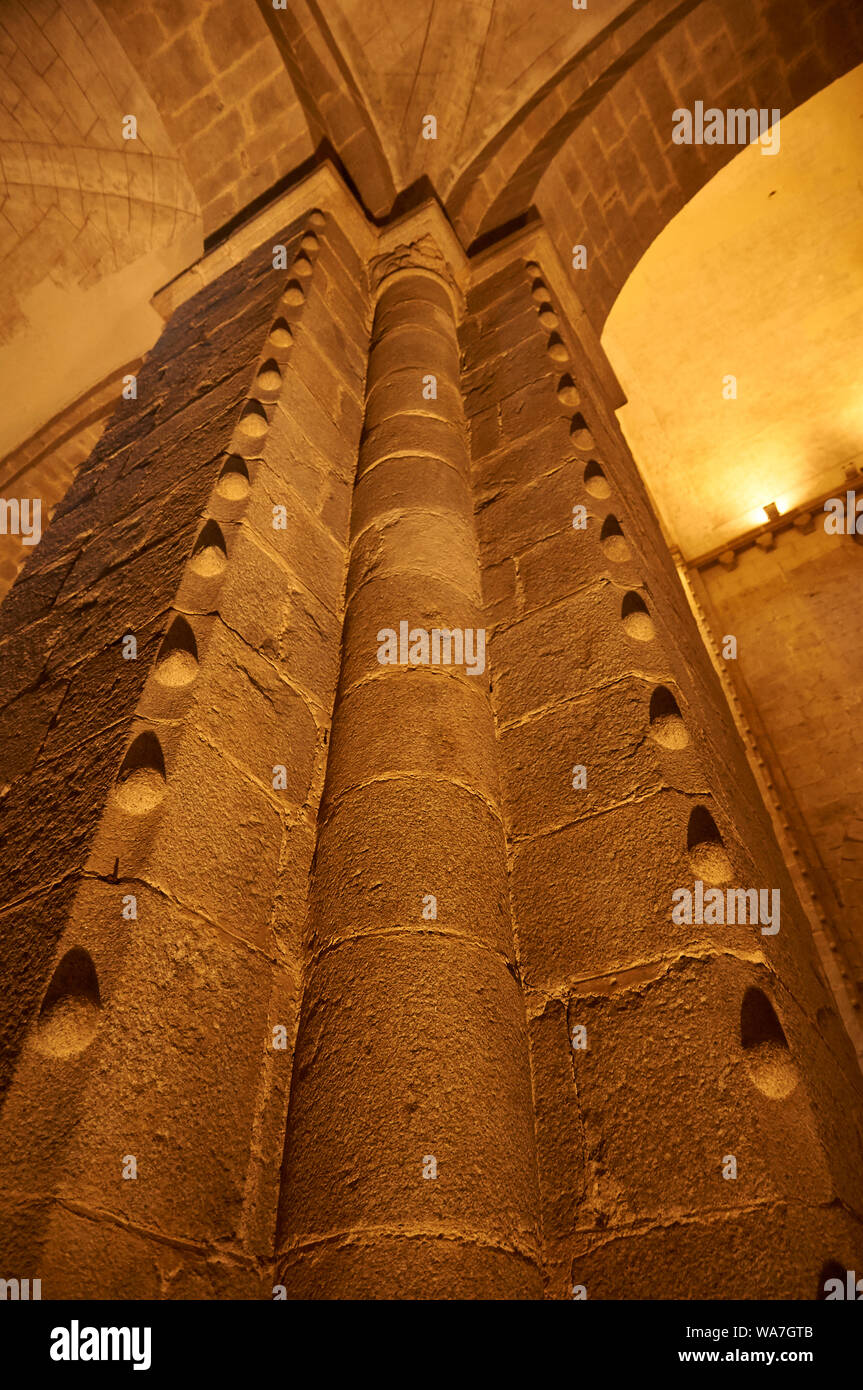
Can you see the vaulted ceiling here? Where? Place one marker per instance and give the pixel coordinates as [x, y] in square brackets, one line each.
[540, 107]
[90, 223]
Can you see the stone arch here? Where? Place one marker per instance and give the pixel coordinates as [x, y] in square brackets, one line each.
[600, 177]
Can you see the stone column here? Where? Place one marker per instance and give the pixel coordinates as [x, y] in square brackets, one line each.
[409, 1165]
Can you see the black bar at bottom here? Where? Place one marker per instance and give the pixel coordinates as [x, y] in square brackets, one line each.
[414, 1341]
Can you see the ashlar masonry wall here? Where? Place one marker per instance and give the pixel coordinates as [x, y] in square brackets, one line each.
[659, 1051]
[799, 662]
[330, 975]
[159, 812]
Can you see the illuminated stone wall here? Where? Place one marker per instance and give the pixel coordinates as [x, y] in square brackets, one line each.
[787, 606]
[151, 919]
[342, 970]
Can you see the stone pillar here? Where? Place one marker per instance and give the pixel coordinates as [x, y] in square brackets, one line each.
[160, 821]
[409, 1167]
[660, 1051]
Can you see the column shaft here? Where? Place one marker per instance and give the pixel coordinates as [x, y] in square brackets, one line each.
[409, 1166]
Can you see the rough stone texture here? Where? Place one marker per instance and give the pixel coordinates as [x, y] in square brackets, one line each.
[160, 776]
[285, 1038]
[415, 1017]
[541, 107]
[226, 99]
[46, 465]
[787, 608]
[584, 630]
[593, 151]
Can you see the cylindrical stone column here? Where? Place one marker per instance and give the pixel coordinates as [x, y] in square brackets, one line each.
[410, 1166]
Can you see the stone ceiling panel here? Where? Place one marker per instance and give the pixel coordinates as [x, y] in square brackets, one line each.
[223, 92]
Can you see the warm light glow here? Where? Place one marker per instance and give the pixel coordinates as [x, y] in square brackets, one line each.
[757, 516]
[713, 463]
